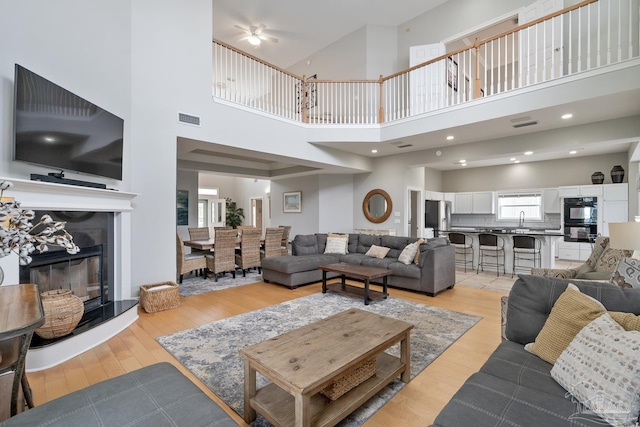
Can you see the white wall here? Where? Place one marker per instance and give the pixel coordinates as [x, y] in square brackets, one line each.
[305, 222]
[336, 203]
[552, 173]
[449, 19]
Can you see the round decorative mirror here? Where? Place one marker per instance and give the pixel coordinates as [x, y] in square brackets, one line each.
[377, 206]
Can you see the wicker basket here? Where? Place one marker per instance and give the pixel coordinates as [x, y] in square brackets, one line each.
[159, 296]
[62, 310]
[351, 379]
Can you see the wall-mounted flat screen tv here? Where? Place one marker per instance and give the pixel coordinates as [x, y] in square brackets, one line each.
[58, 129]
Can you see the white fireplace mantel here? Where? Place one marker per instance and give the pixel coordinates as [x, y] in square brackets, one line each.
[39, 195]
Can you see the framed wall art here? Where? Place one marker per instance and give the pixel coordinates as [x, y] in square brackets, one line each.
[292, 201]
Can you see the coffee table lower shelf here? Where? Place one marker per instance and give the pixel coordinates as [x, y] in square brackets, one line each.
[355, 291]
[278, 406]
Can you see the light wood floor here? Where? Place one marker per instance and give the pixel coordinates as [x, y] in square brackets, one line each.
[416, 405]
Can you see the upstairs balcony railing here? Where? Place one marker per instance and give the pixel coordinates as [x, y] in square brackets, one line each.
[586, 36]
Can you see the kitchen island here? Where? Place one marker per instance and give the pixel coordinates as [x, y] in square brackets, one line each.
[547, 238]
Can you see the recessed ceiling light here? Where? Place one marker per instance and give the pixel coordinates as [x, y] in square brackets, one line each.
[517, 161]
[463, 161]
[374, 151]
[512, 159]
[528, 153]
[567, 116]
[463, 164]
[450, 138]
[572, 152]
[49, 138]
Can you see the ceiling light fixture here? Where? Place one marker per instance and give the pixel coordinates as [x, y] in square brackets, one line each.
[254, 40]
[567, 116]
[528, 153]
[463, 164]
[374, 151]
[517, 161]
[463, 161]
[49, 139]
[512, 159]
[572, 152]
[450, 138]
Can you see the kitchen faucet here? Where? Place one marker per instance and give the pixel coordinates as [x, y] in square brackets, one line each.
[521, 219]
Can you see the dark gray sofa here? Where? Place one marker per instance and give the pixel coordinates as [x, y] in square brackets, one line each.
[156, 395]
[434, 272]
[515, 387]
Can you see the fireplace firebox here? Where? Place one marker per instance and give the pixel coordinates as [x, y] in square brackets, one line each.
[88, 273]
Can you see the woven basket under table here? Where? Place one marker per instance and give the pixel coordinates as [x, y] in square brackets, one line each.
[159, 296]
[351, 379]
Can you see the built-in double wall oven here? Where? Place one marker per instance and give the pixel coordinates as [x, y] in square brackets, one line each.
[580, 219]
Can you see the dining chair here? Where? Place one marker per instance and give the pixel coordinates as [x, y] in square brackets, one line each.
[187, 263]
[284, 245]
[272, 243]
[249, 256]
[198, 233]
[223, 259]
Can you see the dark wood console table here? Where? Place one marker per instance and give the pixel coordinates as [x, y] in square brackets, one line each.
[21, 314]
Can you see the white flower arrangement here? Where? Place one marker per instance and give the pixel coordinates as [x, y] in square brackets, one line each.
[20, 236]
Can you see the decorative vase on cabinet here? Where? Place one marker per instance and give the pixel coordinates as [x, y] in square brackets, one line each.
[617, 174]
[597, 178]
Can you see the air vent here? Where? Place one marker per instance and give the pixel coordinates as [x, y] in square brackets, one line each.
[521, 125]
[405, 145]
[188, 119]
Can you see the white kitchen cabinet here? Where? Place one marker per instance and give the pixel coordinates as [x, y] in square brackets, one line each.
[483, 202]
[433, 195]
[613, 211]
[574, 251]
[551, 200]
[616, 192]
[580, 191]
[463, 203]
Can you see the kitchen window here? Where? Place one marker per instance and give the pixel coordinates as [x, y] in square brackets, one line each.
[511, 206]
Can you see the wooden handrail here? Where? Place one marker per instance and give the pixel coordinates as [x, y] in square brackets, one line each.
[255, 58]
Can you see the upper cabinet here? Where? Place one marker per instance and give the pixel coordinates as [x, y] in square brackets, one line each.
[433, 195]
[481, 202]
[581, 191]
[463, 203]
[616, 191]
[551, 200]
[484, 202]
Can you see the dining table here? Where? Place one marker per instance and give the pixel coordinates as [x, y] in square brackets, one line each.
[209, 244]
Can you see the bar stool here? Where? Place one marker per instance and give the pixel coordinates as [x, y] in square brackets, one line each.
[526, 248]
[492, 246]
[463, 245]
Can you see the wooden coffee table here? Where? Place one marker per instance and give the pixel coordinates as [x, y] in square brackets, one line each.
[359, 272]
[302, 362]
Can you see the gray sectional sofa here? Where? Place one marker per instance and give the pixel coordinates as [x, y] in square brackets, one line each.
[153, 396]
[434, 272]
[514, 387]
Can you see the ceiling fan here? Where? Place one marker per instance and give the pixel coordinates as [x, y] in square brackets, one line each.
[255, 35]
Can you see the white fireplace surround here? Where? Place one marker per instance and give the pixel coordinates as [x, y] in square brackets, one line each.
[42, 196]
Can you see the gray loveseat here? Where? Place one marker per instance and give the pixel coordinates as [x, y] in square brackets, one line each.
[156, 395]
[434, 272]
[514, 387]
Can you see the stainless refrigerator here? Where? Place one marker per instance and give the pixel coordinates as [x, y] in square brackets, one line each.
[437, 216]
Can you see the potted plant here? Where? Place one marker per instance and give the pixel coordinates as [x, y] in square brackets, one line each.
[235, 215]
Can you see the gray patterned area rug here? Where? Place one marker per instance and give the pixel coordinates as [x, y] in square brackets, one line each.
[210, 351]
[195, 285]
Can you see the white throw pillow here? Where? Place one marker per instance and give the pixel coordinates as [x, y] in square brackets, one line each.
[378, 251]
[335, 245]
[341, 236]
[601, 368]
[409, 252]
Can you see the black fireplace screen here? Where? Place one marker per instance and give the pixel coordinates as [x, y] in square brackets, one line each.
[88, 274]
